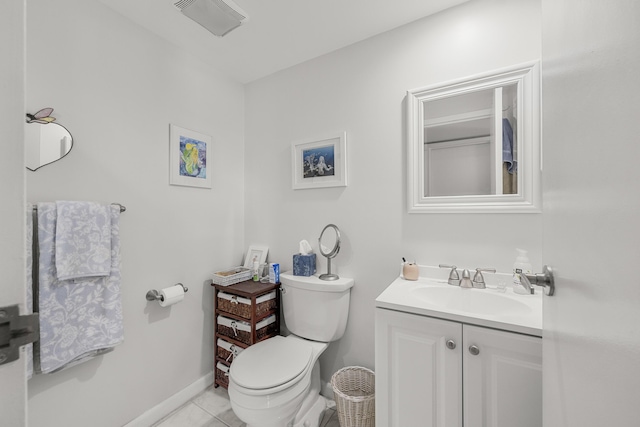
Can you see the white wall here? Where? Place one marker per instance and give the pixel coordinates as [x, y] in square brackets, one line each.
[13, 392]
[361, 89]
[116, 88]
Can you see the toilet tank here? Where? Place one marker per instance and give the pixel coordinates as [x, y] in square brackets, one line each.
[315, 309]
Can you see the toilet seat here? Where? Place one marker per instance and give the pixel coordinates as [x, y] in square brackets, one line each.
[271, 364]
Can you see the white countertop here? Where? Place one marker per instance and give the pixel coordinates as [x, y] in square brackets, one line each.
[432, 296]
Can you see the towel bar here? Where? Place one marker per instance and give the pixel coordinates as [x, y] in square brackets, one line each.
[122, 207]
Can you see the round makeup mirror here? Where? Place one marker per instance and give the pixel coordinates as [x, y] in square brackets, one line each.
[329, 244]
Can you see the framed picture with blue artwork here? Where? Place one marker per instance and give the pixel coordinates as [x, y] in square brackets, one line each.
[189, 158]
[320, 162]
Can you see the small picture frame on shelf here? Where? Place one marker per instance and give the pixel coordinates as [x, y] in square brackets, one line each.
[260, 252]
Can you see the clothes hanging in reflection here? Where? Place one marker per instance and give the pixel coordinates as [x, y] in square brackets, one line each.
[507, 147]
[509, 159]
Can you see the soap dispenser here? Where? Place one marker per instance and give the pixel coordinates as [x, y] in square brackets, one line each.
[521, 266]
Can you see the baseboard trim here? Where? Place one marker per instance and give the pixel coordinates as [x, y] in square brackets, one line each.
[169, 405]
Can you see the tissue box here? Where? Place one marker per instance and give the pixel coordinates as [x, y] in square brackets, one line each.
[304, 265]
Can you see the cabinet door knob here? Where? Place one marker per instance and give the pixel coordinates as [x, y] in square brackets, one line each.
[451, 344]
[473, 349]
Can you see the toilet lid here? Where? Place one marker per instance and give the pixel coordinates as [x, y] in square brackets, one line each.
[271, 363]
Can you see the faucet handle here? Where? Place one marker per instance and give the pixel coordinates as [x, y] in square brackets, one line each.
[478, 278]
[454, 278]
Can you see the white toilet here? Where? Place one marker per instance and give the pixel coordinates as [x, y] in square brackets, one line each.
[276, 383]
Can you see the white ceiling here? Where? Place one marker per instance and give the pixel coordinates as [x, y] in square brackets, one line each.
[280, 33]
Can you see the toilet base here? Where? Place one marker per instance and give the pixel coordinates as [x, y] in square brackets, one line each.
[313, 416]
[314, 404]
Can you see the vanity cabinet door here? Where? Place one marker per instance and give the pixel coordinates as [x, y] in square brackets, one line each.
[502, 374]
[418, 377]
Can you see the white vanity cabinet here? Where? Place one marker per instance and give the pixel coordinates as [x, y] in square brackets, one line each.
[418, 379]
[502, 384]
[442, 373]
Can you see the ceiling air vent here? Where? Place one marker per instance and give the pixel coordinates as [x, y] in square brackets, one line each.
[217, 16]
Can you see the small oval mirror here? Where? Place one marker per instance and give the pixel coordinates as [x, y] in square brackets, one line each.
[329, 244]
[46, 142]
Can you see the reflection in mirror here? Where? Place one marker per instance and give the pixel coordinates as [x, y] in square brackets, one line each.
[467, 150]
[473, 145]
[46, 142]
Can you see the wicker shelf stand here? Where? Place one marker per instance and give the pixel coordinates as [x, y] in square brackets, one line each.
[245, 314]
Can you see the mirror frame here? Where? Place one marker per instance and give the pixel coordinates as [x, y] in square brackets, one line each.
[336, 246]
[529, 197]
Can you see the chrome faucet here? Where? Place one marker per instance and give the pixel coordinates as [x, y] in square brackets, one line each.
[544, 279]
[454, 278]
[478, 278]
[525, 283]
[466, 282]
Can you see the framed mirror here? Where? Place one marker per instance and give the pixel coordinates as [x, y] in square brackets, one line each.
[473, 145]
[46, 141]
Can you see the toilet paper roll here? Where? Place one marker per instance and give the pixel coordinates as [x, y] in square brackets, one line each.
[171, 295]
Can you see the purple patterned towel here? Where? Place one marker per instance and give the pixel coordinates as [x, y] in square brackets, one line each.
[79, 318]
[83, 240]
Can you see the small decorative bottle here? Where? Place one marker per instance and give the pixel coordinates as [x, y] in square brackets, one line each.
[256, 268]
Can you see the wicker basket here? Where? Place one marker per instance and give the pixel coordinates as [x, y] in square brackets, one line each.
[231, 277]
[242, 306]
[241, 331]
[227, 351]
[354, 392]
[222, 374]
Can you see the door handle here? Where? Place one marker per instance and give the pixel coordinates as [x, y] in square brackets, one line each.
[544, 279]
[16, 331]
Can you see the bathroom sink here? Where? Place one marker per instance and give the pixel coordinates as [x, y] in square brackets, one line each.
[430, 295]
[471, 301]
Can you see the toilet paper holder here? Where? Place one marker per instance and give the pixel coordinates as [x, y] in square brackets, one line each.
[154, 295]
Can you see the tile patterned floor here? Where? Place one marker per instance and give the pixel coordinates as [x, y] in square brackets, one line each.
[211, 408]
